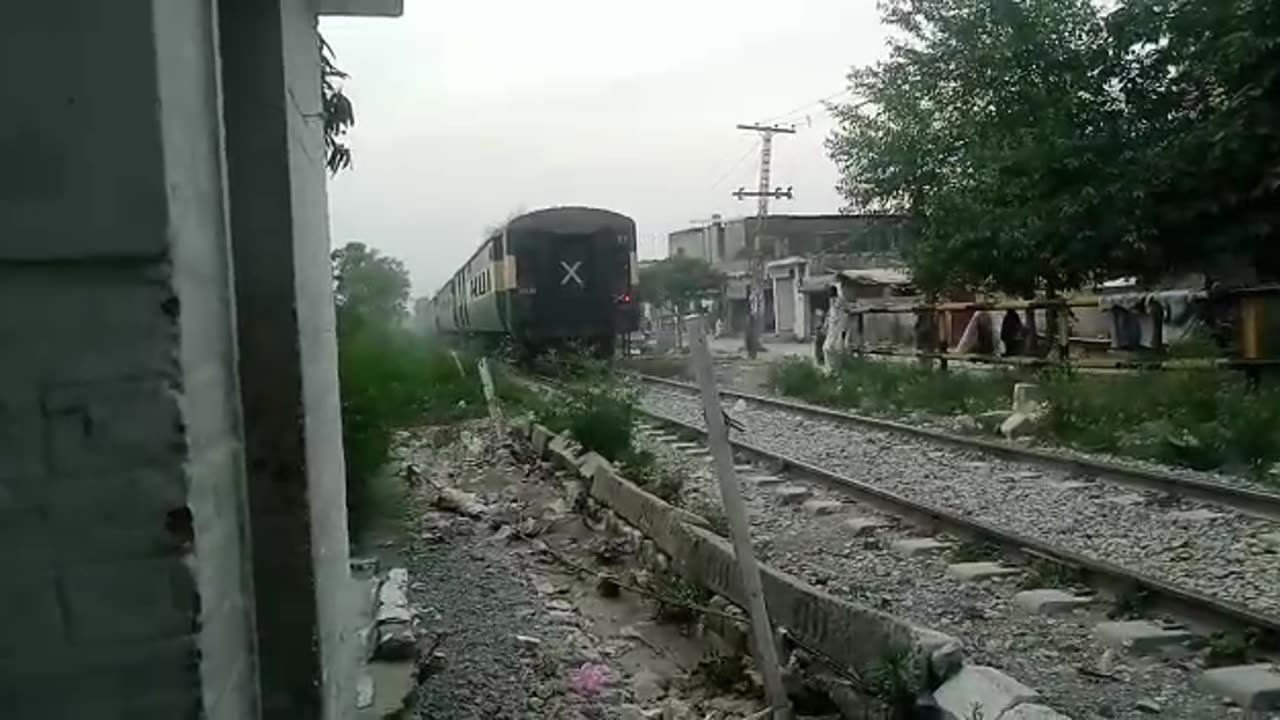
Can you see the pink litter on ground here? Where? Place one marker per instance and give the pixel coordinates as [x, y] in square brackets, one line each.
[590, 679]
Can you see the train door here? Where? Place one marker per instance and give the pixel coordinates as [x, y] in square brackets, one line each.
[571, 297]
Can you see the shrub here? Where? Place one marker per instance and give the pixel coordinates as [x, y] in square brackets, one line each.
[390, 380]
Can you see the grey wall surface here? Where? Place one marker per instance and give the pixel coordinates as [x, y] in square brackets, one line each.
[288, 356]
[121, 482]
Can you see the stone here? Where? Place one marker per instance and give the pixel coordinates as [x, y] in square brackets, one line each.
[1147, 705]
[1033, 711]
[1026, 398]
[991, 420]
[646, 687]
[974, 571]
[1252, 687]
[792, 494]
[982, 688]
[395, 641]
[1139, 636]
[528, 642]
[393, 599]
[818, 508]
[364, 691]
[561, 605]
[1019, 424]
[676, 709]
[766, 480]
[1271, 539]
[1126, 499]
[918, 546]
[1048, 601]
[630, 712]
[1198, 515]
[393, 684]
[862, 525]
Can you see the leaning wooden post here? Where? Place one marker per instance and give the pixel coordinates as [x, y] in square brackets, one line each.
[736, 510]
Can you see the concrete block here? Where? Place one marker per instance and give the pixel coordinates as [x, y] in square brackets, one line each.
[669, 438]
[826, 623]
[113, 425]
[1197, 515]
[588, 463]
[130, 601]
[919, 546]
[522, 426]
[1019, 424]
[863, 525]
[561, 455]
[819, 508]
[765, 480]
[981, 688]
[974, 571]
[792, 494]
[1048, 601]
[1139, 636]
[1027, 398]
[539, 438]
[1033, 711]
[1253, 687]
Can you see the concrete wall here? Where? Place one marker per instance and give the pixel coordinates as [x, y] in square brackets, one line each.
[288, 357]
[122, 507]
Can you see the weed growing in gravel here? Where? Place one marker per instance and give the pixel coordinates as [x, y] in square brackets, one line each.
[713, 513]
[1043, 574]
[1198, 419]
[1131, 604]
[972, 551]
[677, 597]
[893, 678]
[724, 672]
[1232, 648]
[642, 468]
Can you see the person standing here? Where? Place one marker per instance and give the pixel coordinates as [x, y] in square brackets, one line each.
[819, 335]
[837, 315]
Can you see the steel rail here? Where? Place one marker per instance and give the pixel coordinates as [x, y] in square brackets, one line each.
[1256, 503]
[1192, 605]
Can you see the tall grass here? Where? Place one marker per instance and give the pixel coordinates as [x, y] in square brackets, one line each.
[391, 380]
[1197, 419]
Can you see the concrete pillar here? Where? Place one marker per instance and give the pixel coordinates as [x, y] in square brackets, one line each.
[122, 504]
[288, 357]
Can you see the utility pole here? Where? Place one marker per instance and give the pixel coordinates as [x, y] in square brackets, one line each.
[755, 290]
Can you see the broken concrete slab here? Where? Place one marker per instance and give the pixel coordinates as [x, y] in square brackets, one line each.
[864, 525]
[819, 508]
[792, 494]
[1048, 601]
[981, 691]
[539, 438]
[975, 571]
[393, 598]
[396, 641]
[393, 685]
[918, 546]
[1139, 636]
[1253, 687]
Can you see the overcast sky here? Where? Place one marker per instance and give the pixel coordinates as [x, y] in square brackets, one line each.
[469, 111]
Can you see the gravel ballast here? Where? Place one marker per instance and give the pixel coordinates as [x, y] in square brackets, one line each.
[1048, 654]
[1223, 557]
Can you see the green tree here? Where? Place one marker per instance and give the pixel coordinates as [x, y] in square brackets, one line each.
[1200, 82]
[676, 283]
[990, 123]
[336, 111]
[370, 289]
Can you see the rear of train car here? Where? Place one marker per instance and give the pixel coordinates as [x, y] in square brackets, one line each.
[547, 279]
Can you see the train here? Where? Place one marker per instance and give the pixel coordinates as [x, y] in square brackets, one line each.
[545, 279]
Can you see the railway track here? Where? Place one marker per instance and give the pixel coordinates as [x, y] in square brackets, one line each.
[1253, 502]
[1105, 562]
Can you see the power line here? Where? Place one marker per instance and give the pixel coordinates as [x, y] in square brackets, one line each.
[736, 164]
[806, 106]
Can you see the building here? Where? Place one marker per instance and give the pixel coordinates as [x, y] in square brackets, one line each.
[172, 504]
[796, 248]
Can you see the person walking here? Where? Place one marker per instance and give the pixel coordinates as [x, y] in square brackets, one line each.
[837, 315]
[819, 336]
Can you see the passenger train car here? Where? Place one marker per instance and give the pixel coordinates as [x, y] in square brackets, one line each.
[546, 278]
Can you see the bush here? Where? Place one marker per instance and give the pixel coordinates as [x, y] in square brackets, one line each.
[594, 409]
[1197, 419]
[391, 380]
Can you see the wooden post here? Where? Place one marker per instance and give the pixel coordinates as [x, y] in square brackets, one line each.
[740, 529]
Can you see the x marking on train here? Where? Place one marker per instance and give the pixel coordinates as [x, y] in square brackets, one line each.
[571, 273]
